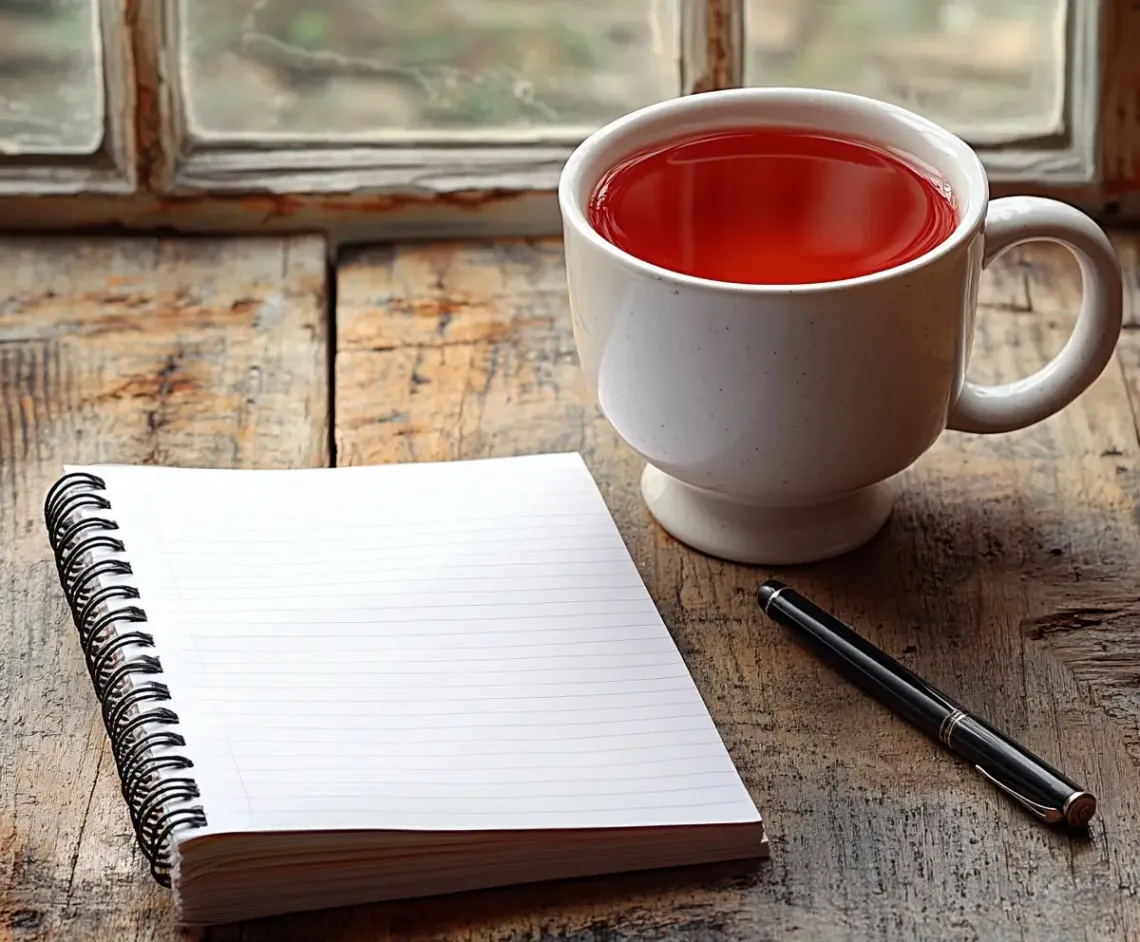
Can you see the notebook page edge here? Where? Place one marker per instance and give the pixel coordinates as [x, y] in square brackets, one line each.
[573, 457]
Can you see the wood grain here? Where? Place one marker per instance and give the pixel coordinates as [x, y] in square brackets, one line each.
[207, 352]
[1006, 575]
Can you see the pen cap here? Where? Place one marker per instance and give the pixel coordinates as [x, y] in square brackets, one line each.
[768, 591]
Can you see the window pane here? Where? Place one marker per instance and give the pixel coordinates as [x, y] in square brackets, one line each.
[980, 66]
[51, 82]
[312, 67]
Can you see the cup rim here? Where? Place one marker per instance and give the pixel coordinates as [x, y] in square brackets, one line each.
[573, 214]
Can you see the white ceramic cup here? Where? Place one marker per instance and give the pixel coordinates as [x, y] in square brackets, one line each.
[774, 417]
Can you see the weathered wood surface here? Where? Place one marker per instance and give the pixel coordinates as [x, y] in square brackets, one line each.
[185, 352]
[1007, 575]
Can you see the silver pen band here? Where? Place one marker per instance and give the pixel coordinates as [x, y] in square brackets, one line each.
[946, 728]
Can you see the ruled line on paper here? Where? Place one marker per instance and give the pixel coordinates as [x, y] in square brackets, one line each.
[617, 592]
[453, 765]
[459, 548]
[382, 646]
[580, 519]
[658, 752]
[365, 634]
[487, 583]
[460, 615]
[442, 658]
[422, 600]
[391, 570]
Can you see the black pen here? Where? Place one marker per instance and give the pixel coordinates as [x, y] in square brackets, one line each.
[1014, 769]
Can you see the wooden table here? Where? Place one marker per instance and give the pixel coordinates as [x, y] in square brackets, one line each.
[1008, 575]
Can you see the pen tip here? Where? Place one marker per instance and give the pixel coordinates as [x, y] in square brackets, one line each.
[767, 592]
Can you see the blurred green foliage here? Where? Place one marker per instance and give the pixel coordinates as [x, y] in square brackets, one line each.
[309, 29]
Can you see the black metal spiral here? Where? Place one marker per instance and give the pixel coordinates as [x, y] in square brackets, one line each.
[144, 739]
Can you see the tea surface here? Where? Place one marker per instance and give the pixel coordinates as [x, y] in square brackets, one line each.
[770, 206]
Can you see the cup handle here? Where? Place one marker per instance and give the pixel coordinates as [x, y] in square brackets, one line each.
[1009, 222]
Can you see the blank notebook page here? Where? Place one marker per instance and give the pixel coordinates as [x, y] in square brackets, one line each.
[453, 646]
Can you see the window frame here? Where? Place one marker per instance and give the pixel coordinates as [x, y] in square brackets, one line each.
[517, 161]
[110, 168]
[150, 172]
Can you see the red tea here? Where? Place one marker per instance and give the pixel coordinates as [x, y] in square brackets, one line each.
[770, 206]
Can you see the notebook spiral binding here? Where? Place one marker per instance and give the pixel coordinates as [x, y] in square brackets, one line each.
[143, 732]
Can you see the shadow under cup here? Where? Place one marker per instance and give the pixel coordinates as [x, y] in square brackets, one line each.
[773, 417]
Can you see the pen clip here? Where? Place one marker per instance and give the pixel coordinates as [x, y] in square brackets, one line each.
[1045, 813]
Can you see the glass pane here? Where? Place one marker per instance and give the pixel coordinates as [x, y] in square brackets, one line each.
[980, 66]
[312, 67]
[51, 81]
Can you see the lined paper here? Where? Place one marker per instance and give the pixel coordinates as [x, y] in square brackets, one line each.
[463, 645]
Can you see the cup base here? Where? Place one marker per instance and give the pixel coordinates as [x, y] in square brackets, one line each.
[774, 536]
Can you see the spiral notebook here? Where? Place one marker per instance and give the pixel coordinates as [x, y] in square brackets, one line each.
[337, 686]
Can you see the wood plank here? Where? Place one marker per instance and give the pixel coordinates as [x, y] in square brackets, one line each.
[207, 352]
[1005, 575]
